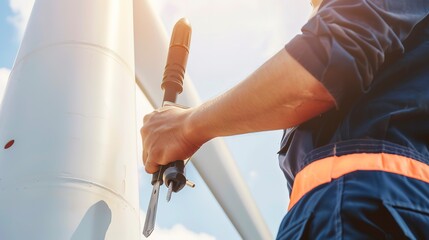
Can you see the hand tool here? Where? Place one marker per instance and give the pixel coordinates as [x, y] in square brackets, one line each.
[173, 174]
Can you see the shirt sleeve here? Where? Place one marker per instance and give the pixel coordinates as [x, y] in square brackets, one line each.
[347, 41]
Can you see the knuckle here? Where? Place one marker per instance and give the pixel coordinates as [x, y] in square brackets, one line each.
[143, 131]
[147, 117]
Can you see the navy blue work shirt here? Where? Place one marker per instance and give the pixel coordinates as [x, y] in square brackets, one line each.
[373, 57]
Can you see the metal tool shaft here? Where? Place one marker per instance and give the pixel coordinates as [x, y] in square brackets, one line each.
[149, 223]
[172, 84]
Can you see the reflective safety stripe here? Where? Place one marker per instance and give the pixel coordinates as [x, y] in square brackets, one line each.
[324, 170]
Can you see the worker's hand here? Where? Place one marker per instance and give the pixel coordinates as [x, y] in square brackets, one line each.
[166, 138]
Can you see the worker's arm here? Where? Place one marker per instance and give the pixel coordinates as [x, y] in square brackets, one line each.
[280, 94]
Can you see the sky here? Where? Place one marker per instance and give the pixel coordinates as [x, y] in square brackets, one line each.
[230, 39]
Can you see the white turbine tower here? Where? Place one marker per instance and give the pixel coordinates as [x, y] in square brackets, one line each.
[69, 108]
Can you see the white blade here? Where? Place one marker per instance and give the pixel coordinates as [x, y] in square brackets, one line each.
[213, 161]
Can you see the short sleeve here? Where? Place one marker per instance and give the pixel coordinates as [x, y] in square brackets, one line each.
[345, 44]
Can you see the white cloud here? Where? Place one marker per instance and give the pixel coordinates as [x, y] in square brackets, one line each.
[4, 76]
[177, 232]
[21, 13]
[226, 20]
[255, 23]
[230, 39]
[253, 174]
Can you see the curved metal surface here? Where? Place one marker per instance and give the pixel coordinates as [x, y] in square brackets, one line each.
[71, 172]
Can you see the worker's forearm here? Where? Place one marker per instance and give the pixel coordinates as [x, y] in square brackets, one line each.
[280, 94]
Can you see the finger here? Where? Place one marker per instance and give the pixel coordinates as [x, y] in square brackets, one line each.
[144, 157]
[151, 167]
[144, 154]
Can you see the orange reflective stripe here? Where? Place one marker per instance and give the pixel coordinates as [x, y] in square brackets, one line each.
[324, 170]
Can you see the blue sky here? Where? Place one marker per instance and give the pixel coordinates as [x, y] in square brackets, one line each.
[230, 40]
[8, 42]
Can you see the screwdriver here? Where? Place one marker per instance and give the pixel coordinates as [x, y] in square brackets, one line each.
[173, 174]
